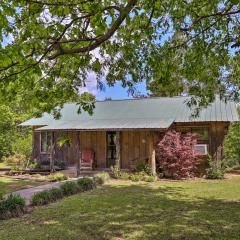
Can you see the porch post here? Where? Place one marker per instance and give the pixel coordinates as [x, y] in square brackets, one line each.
[52, 154]
[118, 150]
[152, 154]
[79, 154]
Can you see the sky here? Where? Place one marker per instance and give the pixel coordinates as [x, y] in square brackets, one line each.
[118, 92]
[115, 92]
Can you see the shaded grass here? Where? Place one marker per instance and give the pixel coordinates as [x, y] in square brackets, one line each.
[8, 185]
[4, 165]
[126, 210]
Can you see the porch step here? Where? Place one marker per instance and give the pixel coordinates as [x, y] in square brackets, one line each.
[70, 172]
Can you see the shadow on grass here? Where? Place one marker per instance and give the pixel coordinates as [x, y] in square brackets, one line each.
[135, 212]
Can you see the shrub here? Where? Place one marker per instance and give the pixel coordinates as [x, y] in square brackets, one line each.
[55, 194]
[41, 198]
[136, 177]
[232, 146]
[23, 145]
[34, 165]
[13, 206]
[47, 196]
[14, 201]
[176, 156]
[143, 167]
[1, 196]
[69, 188]
[15, 160]
[124, 176]
[116, 172]
[6, 130]
[101, 178]
[86, 184]
[149, 178]
[60, 164]
[57, 177]
[215, 170]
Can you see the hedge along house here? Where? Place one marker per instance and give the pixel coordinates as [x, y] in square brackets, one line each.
[125, 132]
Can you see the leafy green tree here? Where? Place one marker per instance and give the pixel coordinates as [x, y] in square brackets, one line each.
[48, 47]
[6, 131]
[13, 139]
[232, 145]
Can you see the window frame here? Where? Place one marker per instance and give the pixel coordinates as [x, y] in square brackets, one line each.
[49, 134]
[191, 130]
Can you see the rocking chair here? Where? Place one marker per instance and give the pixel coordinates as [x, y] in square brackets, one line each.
[86, 161]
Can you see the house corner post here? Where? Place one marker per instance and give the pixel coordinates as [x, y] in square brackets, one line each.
[152, 154]
[79, 155]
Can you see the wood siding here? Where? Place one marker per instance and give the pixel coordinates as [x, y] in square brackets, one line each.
[134, 145]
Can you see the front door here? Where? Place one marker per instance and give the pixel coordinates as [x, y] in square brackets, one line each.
[111, 149]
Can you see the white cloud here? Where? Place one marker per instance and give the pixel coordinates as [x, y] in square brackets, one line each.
[91, 84]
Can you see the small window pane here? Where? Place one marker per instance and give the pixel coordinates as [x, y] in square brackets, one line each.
[202, 133]
[185, 130]
[45, 141]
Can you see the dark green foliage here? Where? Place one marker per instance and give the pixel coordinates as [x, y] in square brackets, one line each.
[34, 165]
[41, 198]
[143, 167]
[13, 206]
[176, 46]
[215, 170]
[55, 194]
[14, 201]
[47, 196]
[69, 188]
[86, 184]
[60, 164]
[149, 178]
[6, 131]
[23, 144]
[232, 146]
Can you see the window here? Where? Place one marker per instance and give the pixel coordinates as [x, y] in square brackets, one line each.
[201, 149]
[46, 142]
[111, 149]
[202, 133]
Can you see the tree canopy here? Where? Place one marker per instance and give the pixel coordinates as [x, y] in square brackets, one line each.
[232, 144]
[48, 47]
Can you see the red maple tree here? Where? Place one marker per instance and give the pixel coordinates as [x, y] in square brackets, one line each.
[176, 156]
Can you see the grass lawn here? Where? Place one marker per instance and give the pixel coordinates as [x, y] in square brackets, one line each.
[8, 185]
[4, 165]
[124, 210]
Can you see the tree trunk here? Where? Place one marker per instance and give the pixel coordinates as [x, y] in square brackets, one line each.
[118, 149]
[152, 154]
[52, 154]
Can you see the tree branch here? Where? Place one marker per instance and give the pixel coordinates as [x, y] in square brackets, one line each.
[221, 14]
[98, 41]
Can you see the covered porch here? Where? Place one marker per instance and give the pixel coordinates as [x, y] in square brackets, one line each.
[124, 149]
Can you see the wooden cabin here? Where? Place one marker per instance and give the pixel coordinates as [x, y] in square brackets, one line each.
[125, 132]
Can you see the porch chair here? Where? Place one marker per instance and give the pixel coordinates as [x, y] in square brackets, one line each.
[86, 161]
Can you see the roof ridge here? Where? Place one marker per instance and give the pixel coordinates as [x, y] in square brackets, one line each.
[134, 99]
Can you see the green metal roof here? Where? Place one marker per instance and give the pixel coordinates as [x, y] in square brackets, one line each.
[146, 113]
